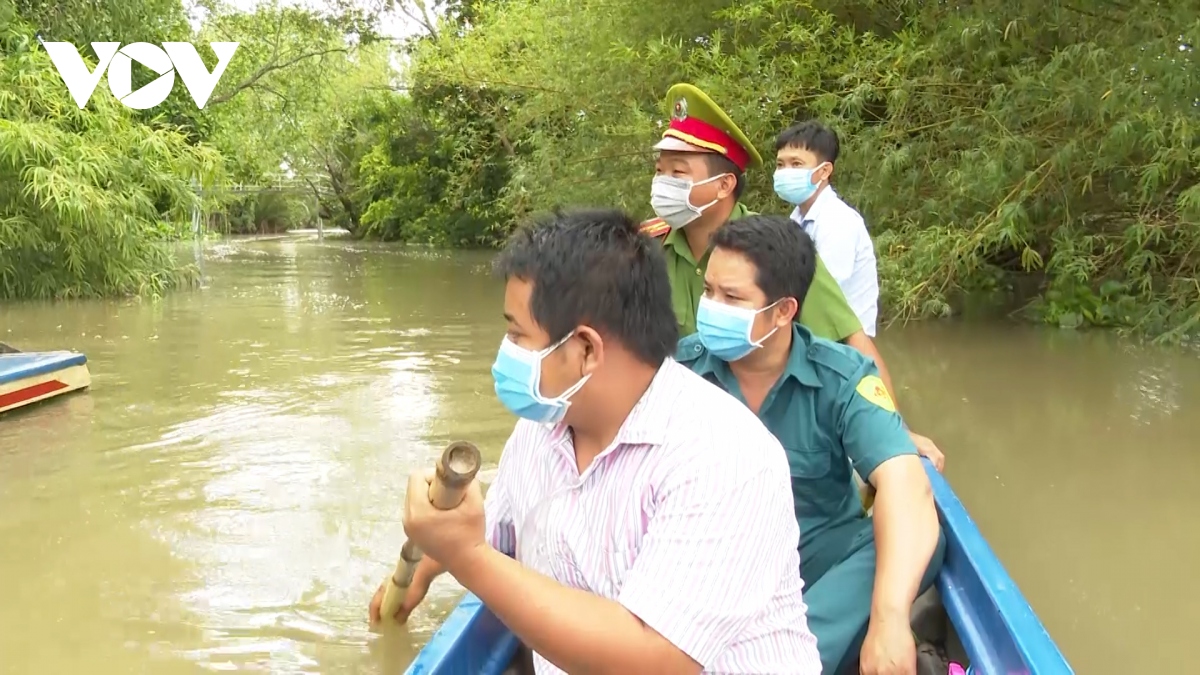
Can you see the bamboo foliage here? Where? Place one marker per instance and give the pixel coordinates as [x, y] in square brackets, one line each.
[1044, 150]
[88, 198]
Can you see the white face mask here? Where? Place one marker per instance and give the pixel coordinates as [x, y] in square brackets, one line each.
[670, 198]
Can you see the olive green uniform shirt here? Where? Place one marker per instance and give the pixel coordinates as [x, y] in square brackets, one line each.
[825, 310]
[829, 410]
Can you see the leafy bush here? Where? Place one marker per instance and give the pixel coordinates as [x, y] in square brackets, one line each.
[85, 195]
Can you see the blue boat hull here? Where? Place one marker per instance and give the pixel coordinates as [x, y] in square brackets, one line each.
[990, 619]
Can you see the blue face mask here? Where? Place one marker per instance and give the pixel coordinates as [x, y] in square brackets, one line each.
[518, 375]
[796, 186]
[725, 330]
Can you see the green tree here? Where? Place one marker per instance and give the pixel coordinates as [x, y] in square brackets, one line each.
[299, 81]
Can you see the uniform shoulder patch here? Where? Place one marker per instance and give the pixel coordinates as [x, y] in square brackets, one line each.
[872, 389]
[654, 228]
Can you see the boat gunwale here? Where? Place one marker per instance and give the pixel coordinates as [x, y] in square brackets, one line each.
[982, 600]
[458, 634]
[17, 366]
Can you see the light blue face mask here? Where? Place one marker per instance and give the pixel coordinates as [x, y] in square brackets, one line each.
[518, 375]
[725, 330]
[796, 186]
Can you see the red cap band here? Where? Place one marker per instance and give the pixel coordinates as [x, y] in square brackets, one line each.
[704, 135]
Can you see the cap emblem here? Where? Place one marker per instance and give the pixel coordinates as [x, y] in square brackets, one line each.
[681, 111]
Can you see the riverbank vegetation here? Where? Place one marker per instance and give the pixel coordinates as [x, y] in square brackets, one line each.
[1038, 156]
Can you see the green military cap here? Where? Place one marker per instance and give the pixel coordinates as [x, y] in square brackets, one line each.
[699, 125]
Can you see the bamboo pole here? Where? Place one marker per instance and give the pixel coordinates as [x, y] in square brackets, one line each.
[457, 468]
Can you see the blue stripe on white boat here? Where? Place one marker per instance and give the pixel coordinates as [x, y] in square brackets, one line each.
[31, 364]
[998, 628]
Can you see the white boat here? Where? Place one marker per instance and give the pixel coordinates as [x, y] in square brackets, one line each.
[28, 377]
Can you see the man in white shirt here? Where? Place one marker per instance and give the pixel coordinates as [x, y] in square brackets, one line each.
[804, 158]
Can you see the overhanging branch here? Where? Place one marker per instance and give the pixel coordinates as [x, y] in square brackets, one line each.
[267, 70]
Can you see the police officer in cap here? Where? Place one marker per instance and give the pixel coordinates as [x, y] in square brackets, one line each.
[699, 178]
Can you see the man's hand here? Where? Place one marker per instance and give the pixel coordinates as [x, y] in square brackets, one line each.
[448, 537]
[927, 448]
[889, 648]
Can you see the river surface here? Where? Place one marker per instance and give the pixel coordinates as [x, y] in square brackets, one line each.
[228, 494]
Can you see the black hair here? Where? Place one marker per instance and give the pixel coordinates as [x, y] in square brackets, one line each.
[812, 136]
[719, 164]
[592, 267]
[784, 256]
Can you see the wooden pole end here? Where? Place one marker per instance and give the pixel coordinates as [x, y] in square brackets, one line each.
[459, 464]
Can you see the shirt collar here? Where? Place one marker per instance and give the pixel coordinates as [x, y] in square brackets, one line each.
[740, 211]
[798, 366]
[823, 200]
[645, 424]
[705, 364]
[677, 240]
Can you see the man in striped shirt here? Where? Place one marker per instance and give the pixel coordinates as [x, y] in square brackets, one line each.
[649, 513]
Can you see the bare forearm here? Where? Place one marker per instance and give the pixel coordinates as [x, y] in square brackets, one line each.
[863, 343]
[575, 630]
[906, 532]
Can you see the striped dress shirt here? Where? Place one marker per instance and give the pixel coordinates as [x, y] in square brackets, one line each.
[686, 520]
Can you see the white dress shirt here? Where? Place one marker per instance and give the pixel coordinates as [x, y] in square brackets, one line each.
[842, 242]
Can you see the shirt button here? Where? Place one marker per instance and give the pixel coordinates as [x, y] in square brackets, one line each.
[698, 348]
[697, 271]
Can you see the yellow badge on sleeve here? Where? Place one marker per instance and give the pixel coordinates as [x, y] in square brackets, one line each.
[872, 389]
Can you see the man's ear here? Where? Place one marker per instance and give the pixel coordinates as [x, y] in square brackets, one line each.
[726, 185]
[789, 309]
[592, 348]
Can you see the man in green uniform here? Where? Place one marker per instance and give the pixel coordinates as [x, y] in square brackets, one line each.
[699, 180]
[702, 159]
[828, 407]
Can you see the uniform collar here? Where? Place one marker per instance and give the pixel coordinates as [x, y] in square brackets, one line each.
[677, 240]
[798, 366]
[740, 211]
